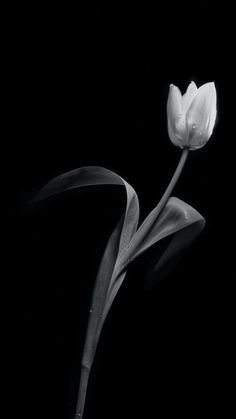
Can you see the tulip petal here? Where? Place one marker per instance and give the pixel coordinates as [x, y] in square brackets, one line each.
[202, 106]
[189, 96]
[201, 115]
[176, 122]
[213, 111]
[173, 134]
[174, 103]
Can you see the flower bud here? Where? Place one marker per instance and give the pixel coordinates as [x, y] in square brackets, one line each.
[191, 117]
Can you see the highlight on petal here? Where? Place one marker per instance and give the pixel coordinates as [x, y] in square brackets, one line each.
[189, 96]
[173, 134]
[174, 103]
[202, 106]
[174, 115]
[201, 115]
[213, 110]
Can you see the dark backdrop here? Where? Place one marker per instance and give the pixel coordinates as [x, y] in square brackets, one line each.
[88, 86]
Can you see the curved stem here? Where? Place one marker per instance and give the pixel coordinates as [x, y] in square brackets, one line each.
[147, 226]
[174, 180]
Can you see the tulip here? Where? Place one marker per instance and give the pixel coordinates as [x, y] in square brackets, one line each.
[191, 117]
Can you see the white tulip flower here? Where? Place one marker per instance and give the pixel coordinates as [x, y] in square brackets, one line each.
[191, 117]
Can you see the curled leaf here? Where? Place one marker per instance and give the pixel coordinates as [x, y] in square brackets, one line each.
[177, 219]
[126, 243]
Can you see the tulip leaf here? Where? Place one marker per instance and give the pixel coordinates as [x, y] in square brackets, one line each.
[119, 239]
[180, 241]
[92, 176]
[175, 216]
[178, 219]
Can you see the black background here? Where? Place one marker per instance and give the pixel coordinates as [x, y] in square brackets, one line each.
[88, 86]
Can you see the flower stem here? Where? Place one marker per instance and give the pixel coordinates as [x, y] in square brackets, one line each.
[174, 180]
[149, 222]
